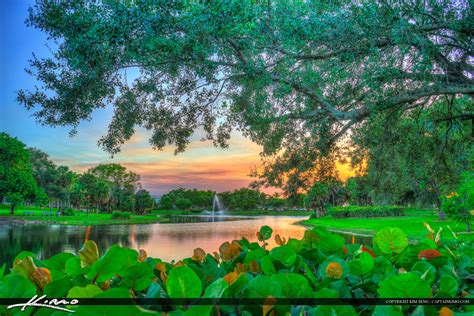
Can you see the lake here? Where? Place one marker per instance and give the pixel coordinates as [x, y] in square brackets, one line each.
[170, 241]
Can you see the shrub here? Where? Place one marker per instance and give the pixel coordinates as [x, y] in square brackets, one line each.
[67, 212]
[366, 211]
[120, 215]
[320, 265]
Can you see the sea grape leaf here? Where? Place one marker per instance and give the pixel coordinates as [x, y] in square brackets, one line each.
[58, 288]
[284, 254]
[183, 283]
[138, 277]
[406, 285]
[89, 253]
[58, 262]
[255, 255]
[115, 261]
[391, 240]
[387, 310]
[363, 265]
[263, 286]
[448, 286]
[425, 270]
[266, 263]
[216, 288]
[334, 310]
[16, 286]
[293, 285]
[266, 232]
[91, 290]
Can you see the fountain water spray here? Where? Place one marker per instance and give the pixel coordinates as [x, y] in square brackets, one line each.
[217, 206]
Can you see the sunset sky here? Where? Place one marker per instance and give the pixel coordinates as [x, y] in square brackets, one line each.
[202, 166]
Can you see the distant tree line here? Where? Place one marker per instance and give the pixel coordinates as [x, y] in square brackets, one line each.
[27, 175]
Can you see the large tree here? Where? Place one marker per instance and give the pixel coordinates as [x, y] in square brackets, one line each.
[293, 76]
[17, 183]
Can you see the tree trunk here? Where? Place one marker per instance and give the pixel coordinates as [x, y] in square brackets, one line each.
[12, 208]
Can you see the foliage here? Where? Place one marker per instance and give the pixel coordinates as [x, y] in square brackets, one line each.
[120, 215]
[243, 199]
[144, 202]
[183, 203]
[418, 157]
[293, 76]
[198, 199]
[365, 211]
[17, 183]
[460, 204]
[317, 198]
[359, 190]
[319, 265]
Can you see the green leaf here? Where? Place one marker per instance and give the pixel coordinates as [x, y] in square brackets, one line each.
[407, 285]
[327, 293]
[89, 253]
[73, 267]
[263, 286]
[216, 288]
[58, 288]
[293, 285]
[284, 254]
[335, 310]
[138, 277]
[255, 255]
[425, 270]
[266, 263]
[387, 310]
[58, 262]
[115, 261]
[16, 286]
[363, 265]
[266, 232]
[448, 286]
[183, 283]
[391, 240]
[89, 291]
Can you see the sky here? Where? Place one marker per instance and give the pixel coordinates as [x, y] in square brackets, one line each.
[202, 166]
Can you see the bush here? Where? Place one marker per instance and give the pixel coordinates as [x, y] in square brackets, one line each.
[366, 211]
[120, 215]
[320, 265]
[68, 212]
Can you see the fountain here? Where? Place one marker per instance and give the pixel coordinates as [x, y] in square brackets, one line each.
[217, 206]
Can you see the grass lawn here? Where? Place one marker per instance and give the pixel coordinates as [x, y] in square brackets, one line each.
[411, 224]
[77, 219]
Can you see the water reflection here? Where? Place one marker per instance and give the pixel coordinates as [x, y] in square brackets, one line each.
[171, 241]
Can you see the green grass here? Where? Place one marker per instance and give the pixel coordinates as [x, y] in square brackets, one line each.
[78, 219]
[412, 224]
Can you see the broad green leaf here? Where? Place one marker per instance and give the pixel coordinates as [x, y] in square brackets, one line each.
[183, 283]
[391, 240]
[266, 232]
[58, 262]
[115, 261]
[284, 254]
[216, 288]
[58, 288]
[91, 290]
[138, 277]
[388, 310]
[16, 286]
[255, 255]
[407, 285]
[89, 253]
[327, 293]
[425, 270]
[293, 285]
[335, 310]
[363, 265]
[267, 266]
[448, 286]
[263, 286]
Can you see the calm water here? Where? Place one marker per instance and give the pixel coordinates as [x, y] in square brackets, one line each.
[171, 241]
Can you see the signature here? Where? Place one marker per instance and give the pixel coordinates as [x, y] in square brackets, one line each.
[39, 301]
